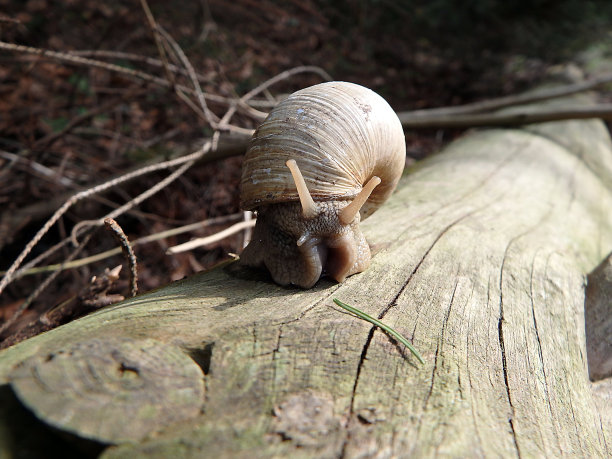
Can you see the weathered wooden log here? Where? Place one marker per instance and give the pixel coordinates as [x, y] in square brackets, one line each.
[481, 259]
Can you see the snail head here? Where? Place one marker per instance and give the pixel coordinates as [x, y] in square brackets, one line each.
[298, 242]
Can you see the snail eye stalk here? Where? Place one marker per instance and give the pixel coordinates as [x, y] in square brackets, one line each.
[349, 212]
[309, 208]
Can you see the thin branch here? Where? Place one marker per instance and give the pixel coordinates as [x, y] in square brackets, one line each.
[38, 168]
[141, 197]
[63, 56]
[74, 58]
[109, 54]
[284, 75]
[209, 22]
[127, 250]
[212, 238]
[85, 194]
[192, 105]
[515, 118]
[29, 268]
[266, 84]
[160, 48]
[78, 60]
[513, 100]
[228, 145]
[192, 75]
[11, 320]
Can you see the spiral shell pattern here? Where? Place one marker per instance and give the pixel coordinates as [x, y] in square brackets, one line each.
[341, 134]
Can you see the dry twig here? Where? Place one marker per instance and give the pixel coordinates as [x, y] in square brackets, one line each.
[145, 195]
[265, 85]
[127, 250]
[109, 54]
[43, 285]
[79, 60]
[515, 117]
[208, 115]
[160, 48]
[212, 238]
[30, 267]
[189, 159]
[37, 168]
[514, 100]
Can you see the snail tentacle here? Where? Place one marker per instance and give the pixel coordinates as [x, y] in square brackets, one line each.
[349, 213]
[309, 208]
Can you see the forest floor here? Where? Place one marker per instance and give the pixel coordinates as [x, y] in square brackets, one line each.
[65, 127]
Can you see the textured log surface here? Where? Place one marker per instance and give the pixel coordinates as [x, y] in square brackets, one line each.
[141, 385]
[482, 257]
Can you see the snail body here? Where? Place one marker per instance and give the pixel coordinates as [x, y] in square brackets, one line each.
[324, 158]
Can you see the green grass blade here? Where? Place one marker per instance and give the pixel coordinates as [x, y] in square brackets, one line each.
[379, 324]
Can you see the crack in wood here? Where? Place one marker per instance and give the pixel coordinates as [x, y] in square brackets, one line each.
[439, 345]
[254, 334]
[500, 335]
[540, 352]
[274, 356]
[362, 357]
[500, 323]
[393, 302]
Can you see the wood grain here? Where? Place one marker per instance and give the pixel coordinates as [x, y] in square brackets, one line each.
[481, 261]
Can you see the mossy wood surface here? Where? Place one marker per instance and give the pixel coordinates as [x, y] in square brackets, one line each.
[481, 260]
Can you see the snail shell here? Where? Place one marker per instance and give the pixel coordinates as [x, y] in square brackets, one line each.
[340, 136]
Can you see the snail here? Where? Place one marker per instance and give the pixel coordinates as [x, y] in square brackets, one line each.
[326, 157]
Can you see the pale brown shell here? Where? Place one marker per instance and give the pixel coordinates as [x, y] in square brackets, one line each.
[341, 134]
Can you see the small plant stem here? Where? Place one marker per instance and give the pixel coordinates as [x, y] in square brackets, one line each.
[381, 325]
